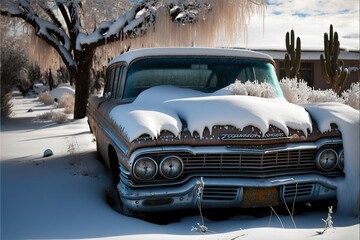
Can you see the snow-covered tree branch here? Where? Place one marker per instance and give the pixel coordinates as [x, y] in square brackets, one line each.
[74, 28]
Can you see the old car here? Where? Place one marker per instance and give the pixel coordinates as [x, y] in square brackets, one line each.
[167, 121]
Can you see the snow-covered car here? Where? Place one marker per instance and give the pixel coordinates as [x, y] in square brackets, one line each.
[172, 119]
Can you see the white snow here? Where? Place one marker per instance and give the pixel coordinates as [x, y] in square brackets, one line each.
[62, 89]
[347, 120]
[114, 28]
[162, 107]
[62, 196]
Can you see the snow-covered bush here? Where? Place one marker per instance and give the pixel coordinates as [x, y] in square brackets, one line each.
[45, 98]
[351, 96]
[295, 91]
[67, 102]
[298, 92]
[256, 89]
[317, 96]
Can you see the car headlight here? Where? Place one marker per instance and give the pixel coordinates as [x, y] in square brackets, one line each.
[341, 159]
[171, 167]
[327, 159]
[145, 168]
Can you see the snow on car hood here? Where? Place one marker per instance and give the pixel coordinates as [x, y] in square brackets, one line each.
[164, 107]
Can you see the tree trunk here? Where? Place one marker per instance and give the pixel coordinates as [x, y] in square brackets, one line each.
[82, 83]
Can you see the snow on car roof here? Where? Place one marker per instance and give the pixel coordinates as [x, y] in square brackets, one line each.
[189, 51]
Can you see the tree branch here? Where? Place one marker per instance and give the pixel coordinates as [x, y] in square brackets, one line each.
[108, 32]
[70, 25]
[74, 18]
[50, 13]
[52, 34]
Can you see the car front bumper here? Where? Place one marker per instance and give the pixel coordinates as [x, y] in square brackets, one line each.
[229, 193]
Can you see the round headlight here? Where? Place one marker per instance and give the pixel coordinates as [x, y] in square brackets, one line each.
[327, 159]
[341, 159]
[145, 168]
[171, 167]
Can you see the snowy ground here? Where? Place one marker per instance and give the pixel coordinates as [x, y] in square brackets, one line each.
[62, 196]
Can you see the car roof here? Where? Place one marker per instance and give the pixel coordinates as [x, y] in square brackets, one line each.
[189, 51]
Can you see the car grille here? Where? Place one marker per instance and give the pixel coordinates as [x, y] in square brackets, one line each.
[219, 193]
[298, 190]
[252, 165]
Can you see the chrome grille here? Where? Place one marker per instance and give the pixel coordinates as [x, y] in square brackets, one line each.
[256, 164]
[253, 165]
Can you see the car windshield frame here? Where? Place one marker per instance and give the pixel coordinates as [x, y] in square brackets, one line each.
[203, 73]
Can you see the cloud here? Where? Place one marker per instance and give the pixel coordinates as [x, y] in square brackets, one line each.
[309, 19]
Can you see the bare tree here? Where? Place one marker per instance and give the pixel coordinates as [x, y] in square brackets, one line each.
[75, 35]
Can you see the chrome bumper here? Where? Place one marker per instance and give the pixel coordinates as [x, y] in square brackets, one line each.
[225, 192]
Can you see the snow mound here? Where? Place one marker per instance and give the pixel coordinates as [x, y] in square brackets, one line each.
[58, 92]
[347, 119]
[164, 107]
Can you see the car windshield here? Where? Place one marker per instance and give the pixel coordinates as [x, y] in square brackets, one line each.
[206, 74]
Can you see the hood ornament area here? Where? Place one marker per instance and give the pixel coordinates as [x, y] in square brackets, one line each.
[251, 136]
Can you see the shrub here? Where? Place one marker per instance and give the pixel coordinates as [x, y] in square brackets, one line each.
[252, 89]
[56, 116]
[45, 98]
[295, 91]
[351, 96]
[6, 105]
[318, 96]
[298, 92]
[13, 61]
[67, 102]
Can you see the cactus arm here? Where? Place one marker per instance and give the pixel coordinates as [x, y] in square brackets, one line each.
[298, 54]
[293, 55]
[287, 65]
[292, 40]
[287, 42]
[332, 68]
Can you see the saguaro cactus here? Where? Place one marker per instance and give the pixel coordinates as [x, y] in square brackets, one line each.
[332, 68]
[293, 56]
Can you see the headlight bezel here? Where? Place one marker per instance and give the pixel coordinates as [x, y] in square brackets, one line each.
[321, 165]
[138, 161]
[164, 160]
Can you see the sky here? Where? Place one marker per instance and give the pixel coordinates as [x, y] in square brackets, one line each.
[309, 19]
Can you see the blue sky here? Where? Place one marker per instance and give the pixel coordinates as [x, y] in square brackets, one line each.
[310, 19]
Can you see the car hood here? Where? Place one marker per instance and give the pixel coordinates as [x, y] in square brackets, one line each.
[167, 115]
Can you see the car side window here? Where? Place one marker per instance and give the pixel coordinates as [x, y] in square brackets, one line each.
[112, 83]
[118, 80]
[109, 83]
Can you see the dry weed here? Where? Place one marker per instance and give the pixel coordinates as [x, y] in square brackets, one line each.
[45, 98]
